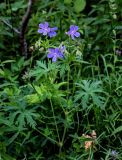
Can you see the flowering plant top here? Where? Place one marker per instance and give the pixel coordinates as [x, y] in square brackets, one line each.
[58, 52]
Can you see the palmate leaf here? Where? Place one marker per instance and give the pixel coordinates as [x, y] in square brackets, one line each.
[98, 100]
[21, 115]
[33, 98]
[7, 123]
[22, 118]
[8, 127]
[27, 117]
[39, 70]
[90, 92]
[42, 69]
[30, 118]
[63, 68]
[42, 64]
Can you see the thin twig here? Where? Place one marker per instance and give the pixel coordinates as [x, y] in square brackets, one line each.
[10, 26]
[23, 28]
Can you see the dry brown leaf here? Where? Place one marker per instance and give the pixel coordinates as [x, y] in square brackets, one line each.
[88, 144]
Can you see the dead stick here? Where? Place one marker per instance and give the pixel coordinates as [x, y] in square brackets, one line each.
[23, 28]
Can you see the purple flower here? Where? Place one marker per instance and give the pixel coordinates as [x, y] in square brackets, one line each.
[44, 29]
[73, 32]
[55, 53]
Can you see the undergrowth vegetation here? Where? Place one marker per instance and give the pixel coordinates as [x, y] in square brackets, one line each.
[63, 101]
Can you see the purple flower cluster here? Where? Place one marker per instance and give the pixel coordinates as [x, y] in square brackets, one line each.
[55, 53]
[44, 29]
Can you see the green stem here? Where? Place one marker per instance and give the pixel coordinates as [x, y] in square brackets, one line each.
[114, 47]
[73, 90]
[68, 73]
[46, 136]
[64, 133]
[74, 108]
[55, 121]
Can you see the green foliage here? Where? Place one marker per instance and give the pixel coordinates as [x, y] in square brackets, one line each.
[67, 1]
[79, 5]
[50, 110]
[90, 92]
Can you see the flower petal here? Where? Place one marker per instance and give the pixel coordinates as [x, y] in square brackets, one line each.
[54, 59]
[46, 24]
[71, 27]
[45, 32]
[54, 29]
[40, 31]
[61, 55]
[50, 55]
[75, 28]
[51, 50]
[77, 34]
[41, 25]
[72, 36]
[52, 34]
